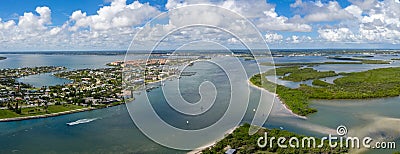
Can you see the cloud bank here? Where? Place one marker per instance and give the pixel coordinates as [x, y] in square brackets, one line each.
[113, 26]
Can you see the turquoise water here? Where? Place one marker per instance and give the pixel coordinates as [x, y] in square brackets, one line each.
[114, 131]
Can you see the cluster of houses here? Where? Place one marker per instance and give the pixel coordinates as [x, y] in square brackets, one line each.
[12, 91]
[95, 87]
[140, 62]
[21, 72]
[89, 87]
[139, 72]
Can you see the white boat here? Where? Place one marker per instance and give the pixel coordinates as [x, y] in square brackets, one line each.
[81, 121]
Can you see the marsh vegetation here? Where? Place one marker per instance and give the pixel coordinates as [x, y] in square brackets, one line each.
[245, 143]
[382, 82]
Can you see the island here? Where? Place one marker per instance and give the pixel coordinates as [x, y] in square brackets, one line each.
[375, 83]
[364, 61]
[345, 60]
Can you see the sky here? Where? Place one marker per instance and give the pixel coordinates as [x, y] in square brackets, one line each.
[113, 24]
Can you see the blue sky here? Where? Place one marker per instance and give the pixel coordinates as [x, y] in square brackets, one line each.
[61, 10]
[111, 24]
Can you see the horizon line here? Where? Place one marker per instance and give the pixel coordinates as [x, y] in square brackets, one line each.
[376, 49]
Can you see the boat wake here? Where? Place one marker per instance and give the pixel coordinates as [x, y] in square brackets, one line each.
[81, 121]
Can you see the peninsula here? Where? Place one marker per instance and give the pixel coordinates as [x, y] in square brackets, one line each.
[90, 88]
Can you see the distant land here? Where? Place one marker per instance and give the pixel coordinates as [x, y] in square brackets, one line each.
[236, 51]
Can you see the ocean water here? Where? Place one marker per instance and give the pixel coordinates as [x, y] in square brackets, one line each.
[69, 61]
[114, 131]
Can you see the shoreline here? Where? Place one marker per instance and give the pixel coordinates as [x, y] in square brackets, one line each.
[278, 98]
[47, 115]
[230, 131]
[73, 111]
[162, 80]
[55, 114]
[211, 144]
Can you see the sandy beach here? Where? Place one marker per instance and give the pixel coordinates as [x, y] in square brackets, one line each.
[277, 97]
[198, 150]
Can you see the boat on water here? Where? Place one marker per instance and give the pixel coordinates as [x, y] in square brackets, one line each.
[81, 121]
[188, 73]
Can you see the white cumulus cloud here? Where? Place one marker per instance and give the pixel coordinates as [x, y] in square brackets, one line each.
[259, 12]
[376, 22]
[273, 37]
[324, 12]
[117, 15]
[113, 26]
[337, 34]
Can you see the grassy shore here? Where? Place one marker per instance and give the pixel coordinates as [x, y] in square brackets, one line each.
[34, 111]
[245, 143]
[49, 111]
[376, 83]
